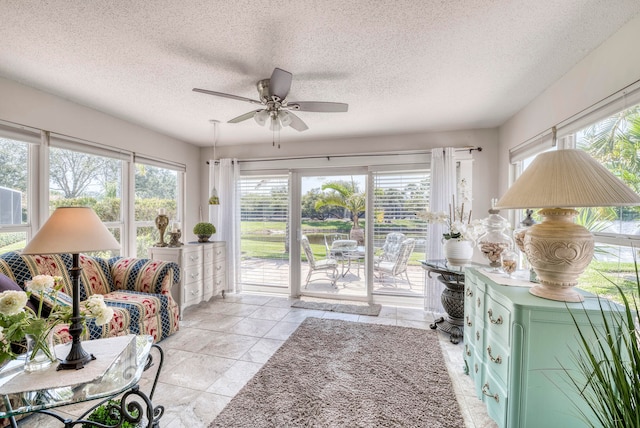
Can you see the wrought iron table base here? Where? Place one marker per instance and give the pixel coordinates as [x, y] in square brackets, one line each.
[130, 409]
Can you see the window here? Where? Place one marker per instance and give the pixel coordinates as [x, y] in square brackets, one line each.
[14, 194]
[155, 188]
[615, 142]
[77, 178]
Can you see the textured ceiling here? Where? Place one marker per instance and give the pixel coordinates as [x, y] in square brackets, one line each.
[402, 65]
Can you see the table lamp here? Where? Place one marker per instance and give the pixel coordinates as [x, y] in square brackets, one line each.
[558, 249]
[73, 230]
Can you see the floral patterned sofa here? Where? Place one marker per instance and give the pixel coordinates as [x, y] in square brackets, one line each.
[138, 290]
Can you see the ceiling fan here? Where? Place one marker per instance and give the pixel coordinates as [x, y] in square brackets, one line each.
[277, 109]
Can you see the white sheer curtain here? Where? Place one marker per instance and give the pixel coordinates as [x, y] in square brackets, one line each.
[224, 216]
[443, 187]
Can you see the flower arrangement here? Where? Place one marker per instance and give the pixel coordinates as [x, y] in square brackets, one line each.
[17, 320]
[459, 224]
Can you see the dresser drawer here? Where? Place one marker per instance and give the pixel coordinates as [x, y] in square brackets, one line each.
[497, 321]
[495, 397]
[192, 257]
[192, 293]
[497, 360]
[192, 274]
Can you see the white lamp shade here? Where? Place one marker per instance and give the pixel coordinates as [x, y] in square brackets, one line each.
[72, 230]
[567, 178]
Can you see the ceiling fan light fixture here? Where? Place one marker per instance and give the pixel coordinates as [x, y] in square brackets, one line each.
[285, 118]
[275, 124]
[261, 117]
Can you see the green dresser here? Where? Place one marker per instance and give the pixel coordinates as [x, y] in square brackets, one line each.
[515, 348]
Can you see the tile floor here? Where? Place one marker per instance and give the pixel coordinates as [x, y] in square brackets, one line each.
[223, 343]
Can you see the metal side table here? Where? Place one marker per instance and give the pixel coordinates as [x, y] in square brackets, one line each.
[452, 296]
[119, 364]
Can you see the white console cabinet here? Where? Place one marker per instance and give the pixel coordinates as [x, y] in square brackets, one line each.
[202, 271]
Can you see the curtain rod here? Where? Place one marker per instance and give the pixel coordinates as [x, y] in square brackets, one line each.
[328, 157]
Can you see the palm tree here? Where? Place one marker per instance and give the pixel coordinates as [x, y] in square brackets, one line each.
[345, 195]
[615, 142]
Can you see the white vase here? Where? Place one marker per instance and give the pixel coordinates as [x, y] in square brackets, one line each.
[458, 253]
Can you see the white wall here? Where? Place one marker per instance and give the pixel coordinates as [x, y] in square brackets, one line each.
[27, 106]
[485, 171]
[606, 70]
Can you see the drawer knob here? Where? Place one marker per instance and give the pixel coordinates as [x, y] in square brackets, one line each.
[195, 275]
[476, 367]
[487, 392]
[469, 323]
[469, 292]
[477, 335]
[497, 360]
[478, 301]
[195, 292]
[219, 267]
[494, 321]
[467, 350]
[218, 282]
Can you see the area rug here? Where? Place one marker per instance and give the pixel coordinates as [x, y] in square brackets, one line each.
[372, 309]
[334, 373]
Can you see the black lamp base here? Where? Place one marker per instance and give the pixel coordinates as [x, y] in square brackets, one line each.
[77, 357]
[75, 364]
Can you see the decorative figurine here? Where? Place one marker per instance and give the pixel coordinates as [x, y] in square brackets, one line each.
[162, 221]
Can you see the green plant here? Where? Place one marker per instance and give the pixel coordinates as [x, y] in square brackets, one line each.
[204, 229]
[109, 414]
[608, 368]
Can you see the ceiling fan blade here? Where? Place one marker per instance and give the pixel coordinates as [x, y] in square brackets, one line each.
[245, 116]
[318, 106]
[280, 83]
[221, 94]
[297, 123]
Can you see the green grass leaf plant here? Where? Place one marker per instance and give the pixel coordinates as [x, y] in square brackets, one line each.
[607, 373]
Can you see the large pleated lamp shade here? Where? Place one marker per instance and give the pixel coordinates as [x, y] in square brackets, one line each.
[73, 230]
[558, 249]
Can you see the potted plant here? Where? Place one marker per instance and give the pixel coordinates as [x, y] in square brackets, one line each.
[608, 368]
[204, 231]
[108, 414]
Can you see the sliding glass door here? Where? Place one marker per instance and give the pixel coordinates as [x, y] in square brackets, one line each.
[264, 232]
[399, 236]
[332, 225]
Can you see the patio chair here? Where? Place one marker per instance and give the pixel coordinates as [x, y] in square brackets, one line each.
[390, 247]
[397, 267]
[326, 265]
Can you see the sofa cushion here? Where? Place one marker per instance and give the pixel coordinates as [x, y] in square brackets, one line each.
[95, 277]
[145, 275]
[150, 313]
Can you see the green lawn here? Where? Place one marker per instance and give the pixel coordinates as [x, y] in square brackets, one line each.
[600, 277]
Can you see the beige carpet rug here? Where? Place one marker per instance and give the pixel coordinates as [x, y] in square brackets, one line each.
[371, 309]
[333, 373]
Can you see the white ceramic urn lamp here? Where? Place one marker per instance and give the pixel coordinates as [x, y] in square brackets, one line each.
[558, 249]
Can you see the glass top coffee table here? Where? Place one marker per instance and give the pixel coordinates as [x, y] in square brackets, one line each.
[119, 364]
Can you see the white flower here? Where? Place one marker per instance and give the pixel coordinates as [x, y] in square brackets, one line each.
[1, 334]
[12, 302]
[40, 283]
[98, 309]
[104, 316]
